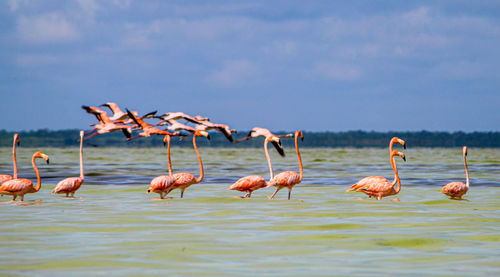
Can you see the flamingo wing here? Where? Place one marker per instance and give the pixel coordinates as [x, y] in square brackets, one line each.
[454, 189]
[162, 182]
[183, 179]
[367, 181]
[15, 185]
[285, 179]
[68, 185]
[248, 183]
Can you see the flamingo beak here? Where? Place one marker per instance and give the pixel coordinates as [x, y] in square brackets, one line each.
[48, 161]
[404, 158]
[208, 137]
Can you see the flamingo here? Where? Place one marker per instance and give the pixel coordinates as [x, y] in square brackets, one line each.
[377, 186]
[181, 115]
[206, 125]
[455, 190]
[105, 124]
[257, 131]
[6, 177]
[19, 187]
[72, 184]
[147, 130]
[163, 183]
[184, 180]
[289, 179]
[251, 183]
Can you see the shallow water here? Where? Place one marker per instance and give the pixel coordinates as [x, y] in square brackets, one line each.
[114, 228]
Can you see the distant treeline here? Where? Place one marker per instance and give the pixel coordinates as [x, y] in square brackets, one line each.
[69, 138]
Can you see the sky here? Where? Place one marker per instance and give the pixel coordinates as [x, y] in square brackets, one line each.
[282, 65]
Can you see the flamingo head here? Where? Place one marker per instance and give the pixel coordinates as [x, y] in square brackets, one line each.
[398, 153]
[299, 134]
[398, 140]
[444, 190]
[16, 139]
[41, 155]
[202, 133]
[464, 150]
[201, 118]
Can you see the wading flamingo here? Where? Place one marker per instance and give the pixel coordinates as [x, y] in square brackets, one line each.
[105, 124]
[289, 179]
[184, 180]
[377, 186]
[251, 183]
[257, 131]
[72, 184]
[6, 177]
[163, 183]
[19, 187]
[147, 130]
[455, 190]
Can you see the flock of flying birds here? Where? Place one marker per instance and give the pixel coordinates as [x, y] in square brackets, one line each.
[129, 121]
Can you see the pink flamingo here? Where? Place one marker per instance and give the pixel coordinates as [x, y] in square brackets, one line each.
[251, 183]
[147, 130]
[19, 187]
[223, 128]
[105, 124]
[181, 115]
[455, 190]
[72, 184]
[5, 177]
[289, 179]
[163, 183]
[258, 131]
[184, 180]
[377, 186]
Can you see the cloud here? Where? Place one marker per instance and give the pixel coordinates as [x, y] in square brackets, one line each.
[334, 71]
[235, 73]
[46, 28]
[36, 60]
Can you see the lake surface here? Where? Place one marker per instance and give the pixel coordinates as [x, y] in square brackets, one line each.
[114, 228]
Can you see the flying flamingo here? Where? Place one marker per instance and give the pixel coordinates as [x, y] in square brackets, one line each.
[72, 184]
[206, 125]
[377, 186]
[257, 131]
[181, 115]
[121, 117]
[19, 187]
[147, 130]
[184, 180]
[289, 179]
[5, 177]
[455, 190]
[163, 183]
[105, 124]
[251, 183]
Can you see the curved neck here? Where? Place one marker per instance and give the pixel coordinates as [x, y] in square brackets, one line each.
[396, 176]
[14, 158]
[466, 172]
[266, 141]
[301, 174]
[38, 180]
[168, 156]
[81, 157]
[391, 143]
[199, 179]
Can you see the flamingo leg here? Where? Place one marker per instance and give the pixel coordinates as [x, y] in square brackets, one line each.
[67, 194]
[86, 133]
[162, 195]
[91, 136]
[14, 197]
[182, 193]
[73, 194]
[249, 194]
[289, 193]
[277, 189]
[21, 197]
[136, 137]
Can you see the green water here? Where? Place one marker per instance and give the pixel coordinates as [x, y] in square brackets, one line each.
[114, 228]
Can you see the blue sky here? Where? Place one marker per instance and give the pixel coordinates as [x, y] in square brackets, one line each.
[284, 65]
